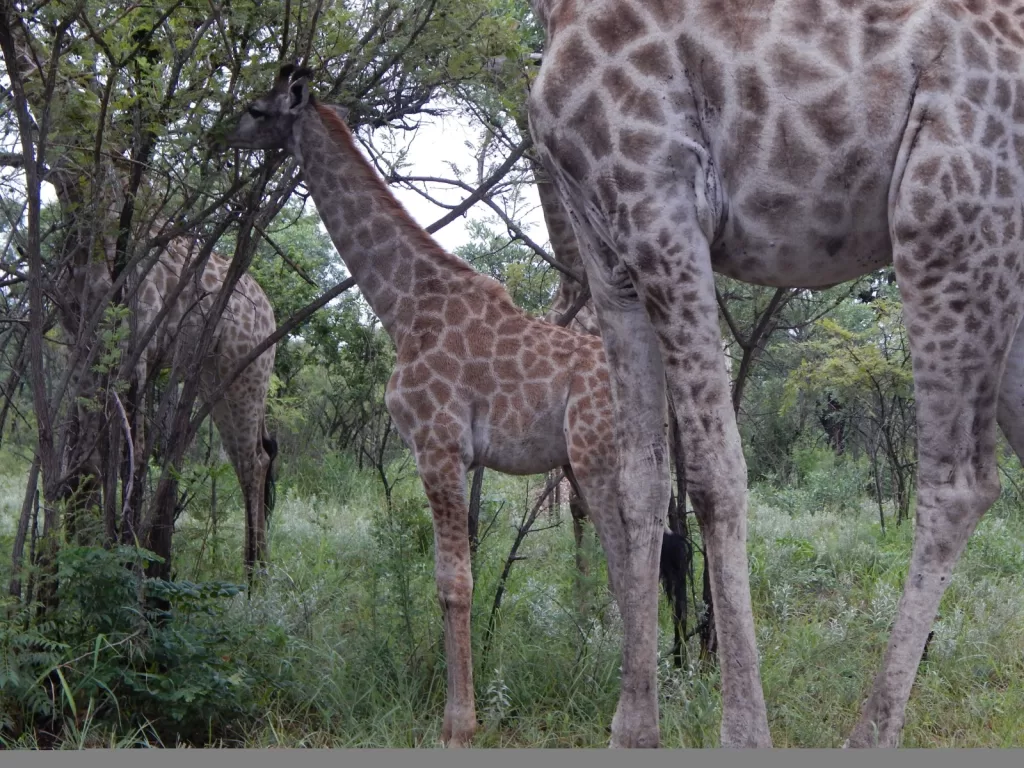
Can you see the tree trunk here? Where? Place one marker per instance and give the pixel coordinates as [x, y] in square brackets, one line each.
[475, 492]
[31, 499]
[160, 534]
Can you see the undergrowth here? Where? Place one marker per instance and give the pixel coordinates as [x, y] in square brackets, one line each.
[341, 644]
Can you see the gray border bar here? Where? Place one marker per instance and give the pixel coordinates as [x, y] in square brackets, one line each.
[571, 758]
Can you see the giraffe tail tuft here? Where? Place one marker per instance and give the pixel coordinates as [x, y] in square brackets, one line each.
[676, 565]
[269, 483]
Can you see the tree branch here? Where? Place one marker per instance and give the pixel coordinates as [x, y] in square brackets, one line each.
[489, 183]
[574, 310]
[285, 257]
[521, 531]
[728, 318]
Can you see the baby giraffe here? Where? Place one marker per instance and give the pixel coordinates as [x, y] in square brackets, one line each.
[477, 381]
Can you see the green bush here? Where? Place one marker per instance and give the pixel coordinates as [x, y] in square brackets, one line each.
[173, 670]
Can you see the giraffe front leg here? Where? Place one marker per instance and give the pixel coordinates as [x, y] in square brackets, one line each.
[676, 286]
[716, 477]
[631, 528]
[443, 473]
[638, 385]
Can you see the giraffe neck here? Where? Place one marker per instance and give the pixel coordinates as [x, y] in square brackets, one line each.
[396, 264]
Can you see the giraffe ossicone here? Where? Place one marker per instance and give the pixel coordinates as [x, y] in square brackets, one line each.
[796, 143]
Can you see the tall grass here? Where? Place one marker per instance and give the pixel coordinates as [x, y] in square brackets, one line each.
[343, 646]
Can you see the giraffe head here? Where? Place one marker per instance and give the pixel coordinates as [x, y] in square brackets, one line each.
[269, 121]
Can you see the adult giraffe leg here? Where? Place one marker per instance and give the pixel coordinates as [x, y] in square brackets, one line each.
[443, 473]
[962, 301]
[1010, 415]
[240, 426]
[643, 486]
[679, 296]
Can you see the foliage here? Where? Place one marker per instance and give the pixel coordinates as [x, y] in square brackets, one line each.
[27, 654]
[530, 284]
[108, 657]
[323, 655]
[868, 370]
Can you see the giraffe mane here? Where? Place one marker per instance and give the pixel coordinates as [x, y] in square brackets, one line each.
[375, 185]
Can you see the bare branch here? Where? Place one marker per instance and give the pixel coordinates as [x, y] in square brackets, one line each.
[285, 257]
[480, 192]
[127, 495]
[574, 310]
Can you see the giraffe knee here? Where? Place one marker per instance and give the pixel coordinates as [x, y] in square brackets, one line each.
[959, 501]
[947, 515]
[454, 587]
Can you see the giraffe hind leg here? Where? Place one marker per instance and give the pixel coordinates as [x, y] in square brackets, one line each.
[242, 440]
[676, 557]
[269, 443]
[627, 502]
[1010, 415]
[962, 306]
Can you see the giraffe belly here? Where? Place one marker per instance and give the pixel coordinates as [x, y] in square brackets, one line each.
[833, 229]
[804, 259]
[524, 458]
[520, 445]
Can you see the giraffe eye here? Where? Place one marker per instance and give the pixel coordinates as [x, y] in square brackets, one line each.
[257, 113]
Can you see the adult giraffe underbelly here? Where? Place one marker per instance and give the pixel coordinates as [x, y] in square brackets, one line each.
[805, 259]
[831, 227]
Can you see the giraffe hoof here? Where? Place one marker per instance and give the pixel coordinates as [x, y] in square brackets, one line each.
[638, 734]
[867, 735]
[647, 740]
[457, 732]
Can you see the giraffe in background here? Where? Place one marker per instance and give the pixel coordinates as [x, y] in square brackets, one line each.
[239, 414]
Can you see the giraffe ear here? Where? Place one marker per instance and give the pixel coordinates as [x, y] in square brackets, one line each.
[283, 76]
[298, 95]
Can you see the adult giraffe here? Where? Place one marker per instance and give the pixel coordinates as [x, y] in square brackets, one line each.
[792, 143]
[239, 412]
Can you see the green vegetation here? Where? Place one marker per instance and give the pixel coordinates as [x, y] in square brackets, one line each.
[343, 647]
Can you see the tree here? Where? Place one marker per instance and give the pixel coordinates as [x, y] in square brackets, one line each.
[862, 360]
[114, 109]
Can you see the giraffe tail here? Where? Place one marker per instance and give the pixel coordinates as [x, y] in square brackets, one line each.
[270, 482]
[676, 566]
